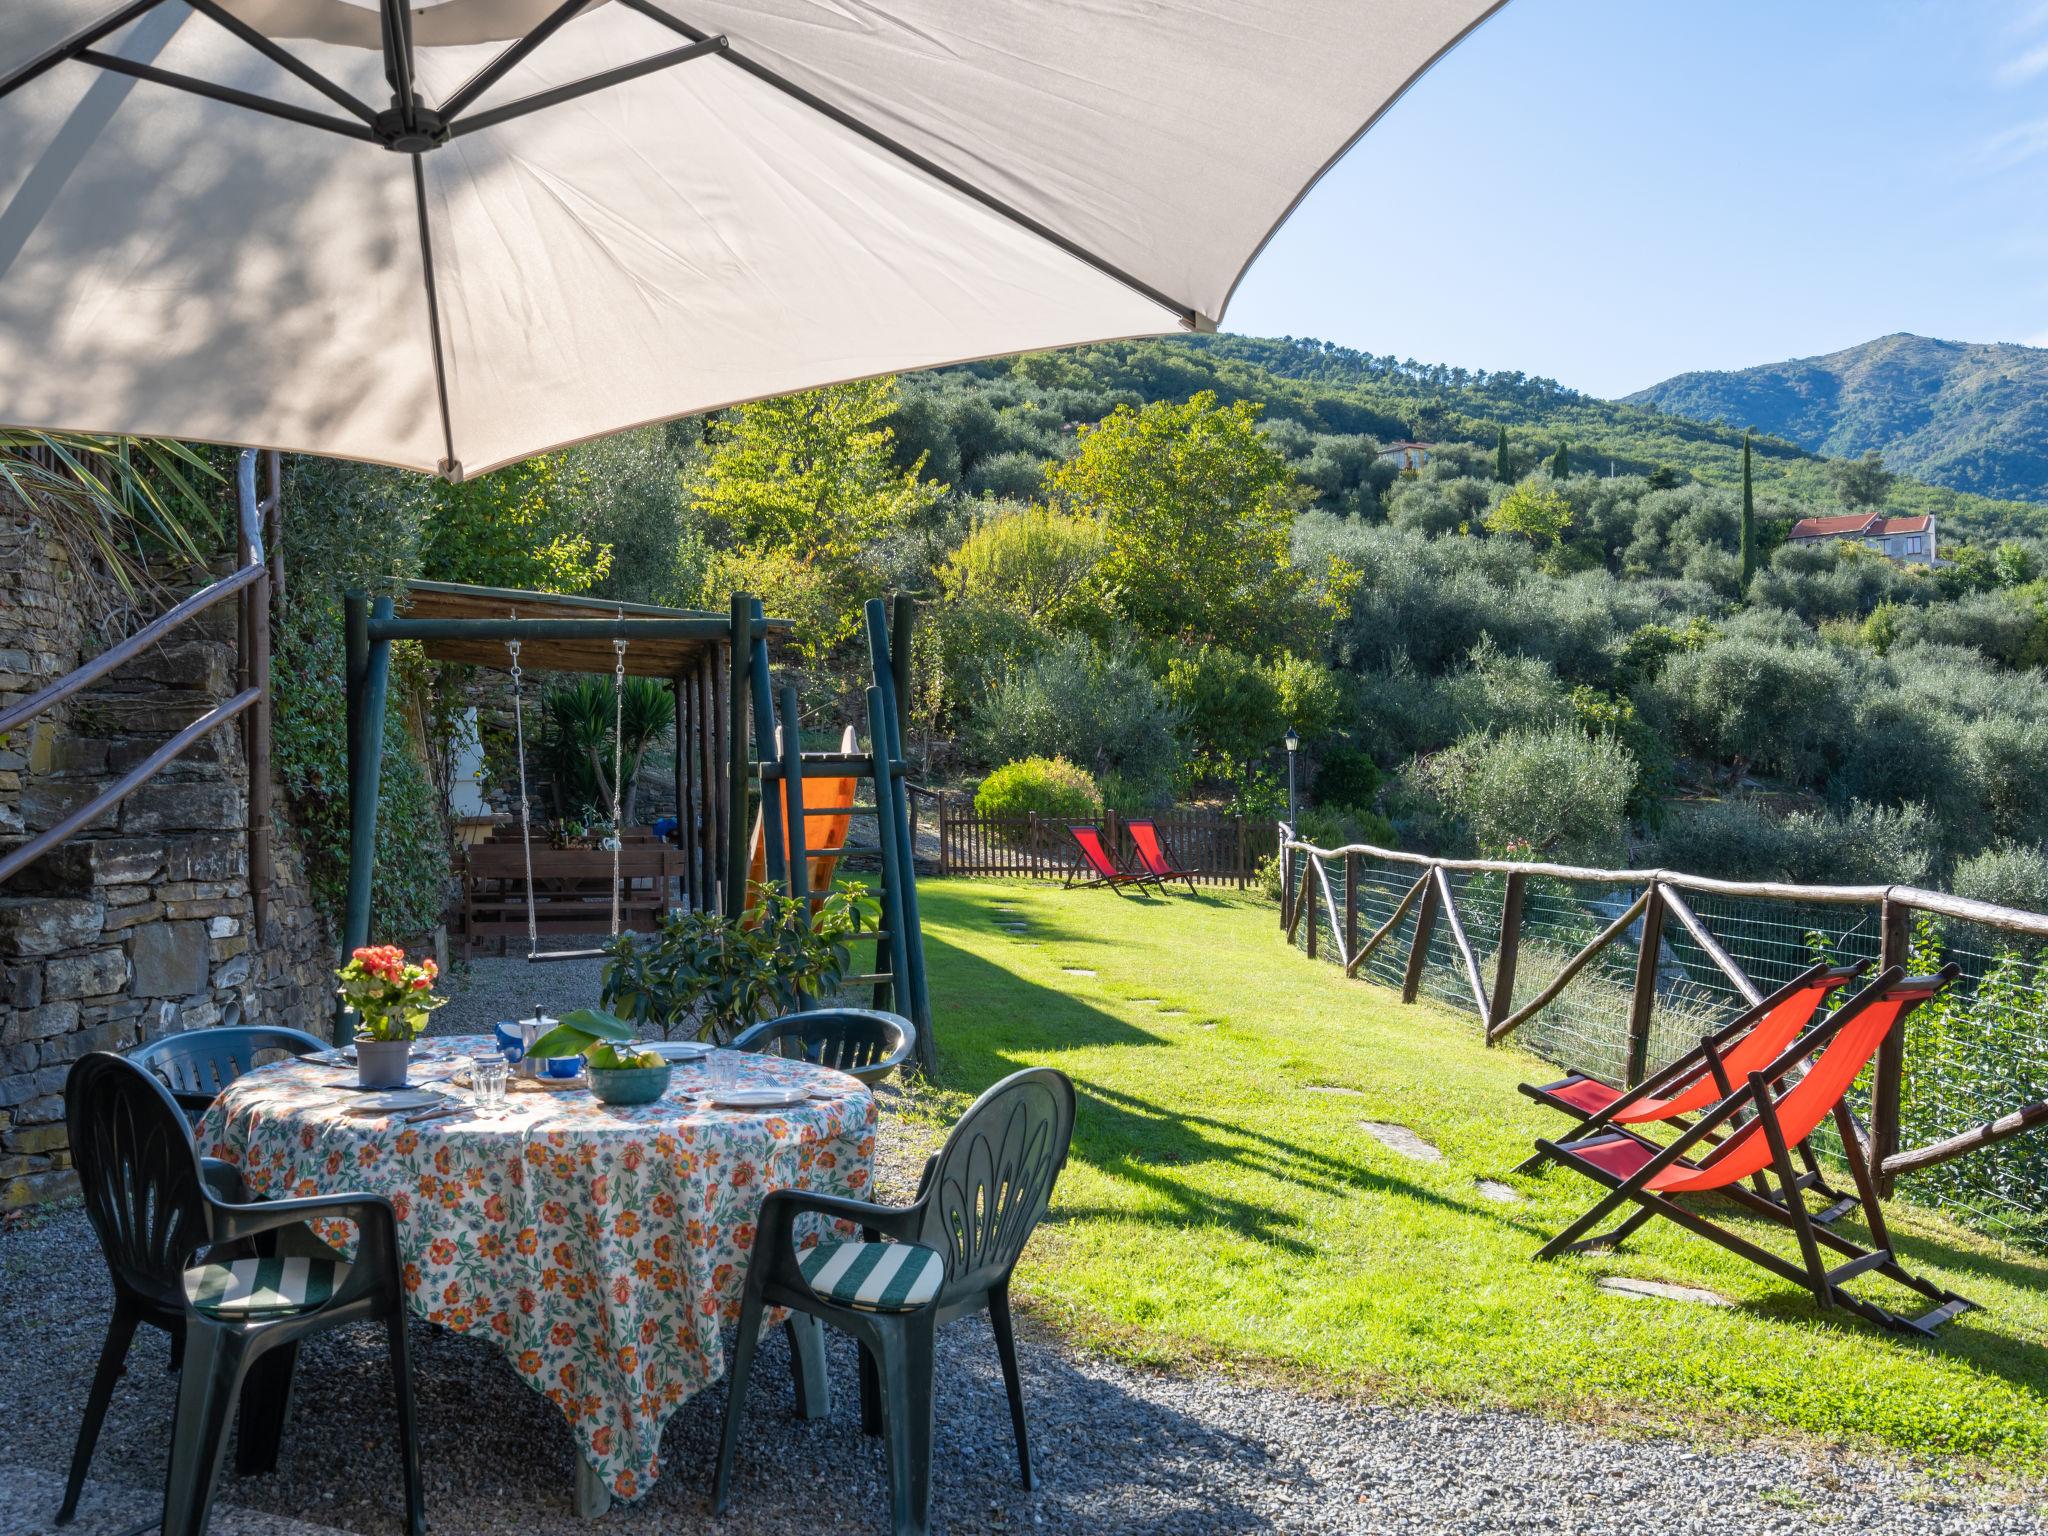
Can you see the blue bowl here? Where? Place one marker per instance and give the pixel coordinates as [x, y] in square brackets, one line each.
[629, 1085]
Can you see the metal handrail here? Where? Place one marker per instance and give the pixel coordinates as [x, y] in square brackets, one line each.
[255, 648]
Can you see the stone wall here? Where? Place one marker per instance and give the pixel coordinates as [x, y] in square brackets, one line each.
[142, 924]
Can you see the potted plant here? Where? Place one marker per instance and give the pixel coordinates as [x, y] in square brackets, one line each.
[714, 976]
[391, 998]
[617, 1076]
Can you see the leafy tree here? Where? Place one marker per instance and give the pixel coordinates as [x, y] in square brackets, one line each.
[1536, 513]
[813, 473]
[1863, 482]
[521, 526]
[1556, 789]
[1501, 471]
[1101, 708]
[802, 490]
[1561, 462]
[1196, 507]
[1748, 518]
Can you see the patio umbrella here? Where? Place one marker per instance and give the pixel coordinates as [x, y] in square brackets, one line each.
[455, 234]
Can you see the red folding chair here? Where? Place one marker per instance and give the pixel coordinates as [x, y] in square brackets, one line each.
[1152, 854]
[1781, 1109]
[1096, 862]
[1707, 1074]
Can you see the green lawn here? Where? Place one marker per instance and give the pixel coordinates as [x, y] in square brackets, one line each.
[1215, 1207]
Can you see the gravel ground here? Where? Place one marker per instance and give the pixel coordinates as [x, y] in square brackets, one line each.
[1118, 1449]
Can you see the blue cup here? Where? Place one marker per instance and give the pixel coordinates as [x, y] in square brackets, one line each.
[507, 1034]
[561, 1066]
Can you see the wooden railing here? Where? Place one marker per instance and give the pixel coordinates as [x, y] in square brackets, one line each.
[1214, 848]
[1322, 897]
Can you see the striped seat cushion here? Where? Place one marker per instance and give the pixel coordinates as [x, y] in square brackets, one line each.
[263, 1287]
[876, 1277]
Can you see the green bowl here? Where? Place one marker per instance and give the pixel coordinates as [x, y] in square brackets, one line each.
[629, 1085]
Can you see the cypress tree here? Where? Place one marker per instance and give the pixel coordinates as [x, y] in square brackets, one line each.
[1561, 463]
[1748, 519]
[1500, 458]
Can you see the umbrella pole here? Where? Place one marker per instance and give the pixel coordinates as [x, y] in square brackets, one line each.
[369, 676]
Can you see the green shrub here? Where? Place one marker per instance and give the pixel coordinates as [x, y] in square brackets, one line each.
[1740, 840]
[1563, 793]
[1102, 710]
[1347, 776]
[1043, 786]
[2010, 875]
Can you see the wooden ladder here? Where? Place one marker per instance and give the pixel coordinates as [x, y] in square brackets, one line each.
[898, 975]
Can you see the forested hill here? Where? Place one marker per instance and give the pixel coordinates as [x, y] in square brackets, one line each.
[1337, 394]
[1971, 416]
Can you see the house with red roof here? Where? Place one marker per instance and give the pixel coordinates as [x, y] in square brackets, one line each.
[1910, 539]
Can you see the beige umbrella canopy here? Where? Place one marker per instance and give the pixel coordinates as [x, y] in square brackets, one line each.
[457, 234]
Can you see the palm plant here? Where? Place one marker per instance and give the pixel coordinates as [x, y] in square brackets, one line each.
[578, 745]
[117, 505]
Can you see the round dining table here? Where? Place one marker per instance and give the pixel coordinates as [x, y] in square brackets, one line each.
[600, 1247]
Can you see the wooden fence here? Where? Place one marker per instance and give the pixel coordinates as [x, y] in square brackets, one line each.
[1215, 849]
[1666, 950]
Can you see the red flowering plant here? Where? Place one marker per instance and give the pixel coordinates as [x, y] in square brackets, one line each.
[391, 996]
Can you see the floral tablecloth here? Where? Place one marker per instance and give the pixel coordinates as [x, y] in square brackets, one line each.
[599, 1247]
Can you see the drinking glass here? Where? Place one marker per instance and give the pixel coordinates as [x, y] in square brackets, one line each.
[488, 1075]
[722, 1069]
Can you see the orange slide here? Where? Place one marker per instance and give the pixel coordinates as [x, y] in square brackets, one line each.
[824, 836]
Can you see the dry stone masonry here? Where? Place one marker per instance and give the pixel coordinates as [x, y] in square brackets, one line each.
[142, 924]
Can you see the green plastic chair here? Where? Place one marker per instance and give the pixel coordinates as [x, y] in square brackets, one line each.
[947, 1254]
[865, 1043]
[196, 1064]
[240, 1284]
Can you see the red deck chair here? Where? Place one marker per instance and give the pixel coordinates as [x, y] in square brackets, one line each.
[1152, 854]
[1707, 1074]
[1096, 862]
[1781, 1109]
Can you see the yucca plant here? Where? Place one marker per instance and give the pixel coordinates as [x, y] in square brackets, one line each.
[578, 743]
[120, 507]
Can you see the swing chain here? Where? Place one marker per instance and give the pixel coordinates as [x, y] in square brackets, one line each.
[525, 814]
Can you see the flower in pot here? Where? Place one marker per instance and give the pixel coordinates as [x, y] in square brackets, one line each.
[619, 1072]
[391, 998]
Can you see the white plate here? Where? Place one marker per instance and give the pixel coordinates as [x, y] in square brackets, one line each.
[757, 1098]
[397, 1100]
[678, 1050]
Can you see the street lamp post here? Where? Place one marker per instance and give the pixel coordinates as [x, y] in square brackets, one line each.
[1293, 746]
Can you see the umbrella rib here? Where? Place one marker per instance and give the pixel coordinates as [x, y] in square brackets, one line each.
[284, 58]
[1189, 317]
[583, 87]
[75, 44]
[503, 64]
[225, 93]
[450, 466]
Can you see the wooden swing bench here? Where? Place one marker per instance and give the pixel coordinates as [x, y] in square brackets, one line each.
[571, 889]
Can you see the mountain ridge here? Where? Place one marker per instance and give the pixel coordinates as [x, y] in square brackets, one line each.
[1972, 416]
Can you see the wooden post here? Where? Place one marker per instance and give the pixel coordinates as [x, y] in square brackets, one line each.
[253, 652]
[1418, 946]
[1243, 872]
[1509, 952]
[1895, 947]
[1309, 883]
[685, 822]
[1350, 905]
[1643, 996]
[369, 672]
[735, 744]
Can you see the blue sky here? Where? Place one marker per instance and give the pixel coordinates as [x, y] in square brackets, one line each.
[1608, 192]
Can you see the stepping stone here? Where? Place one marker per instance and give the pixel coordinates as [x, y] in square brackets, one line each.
[1661, 1290]
[1076, 970]
[1398, 1138]
[1014, 927]
[1349, 1093]
[1504, 1194]
[1172, 1013]
[1144, 1002]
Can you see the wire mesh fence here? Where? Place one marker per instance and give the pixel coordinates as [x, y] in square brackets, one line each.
[1977, 1052]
